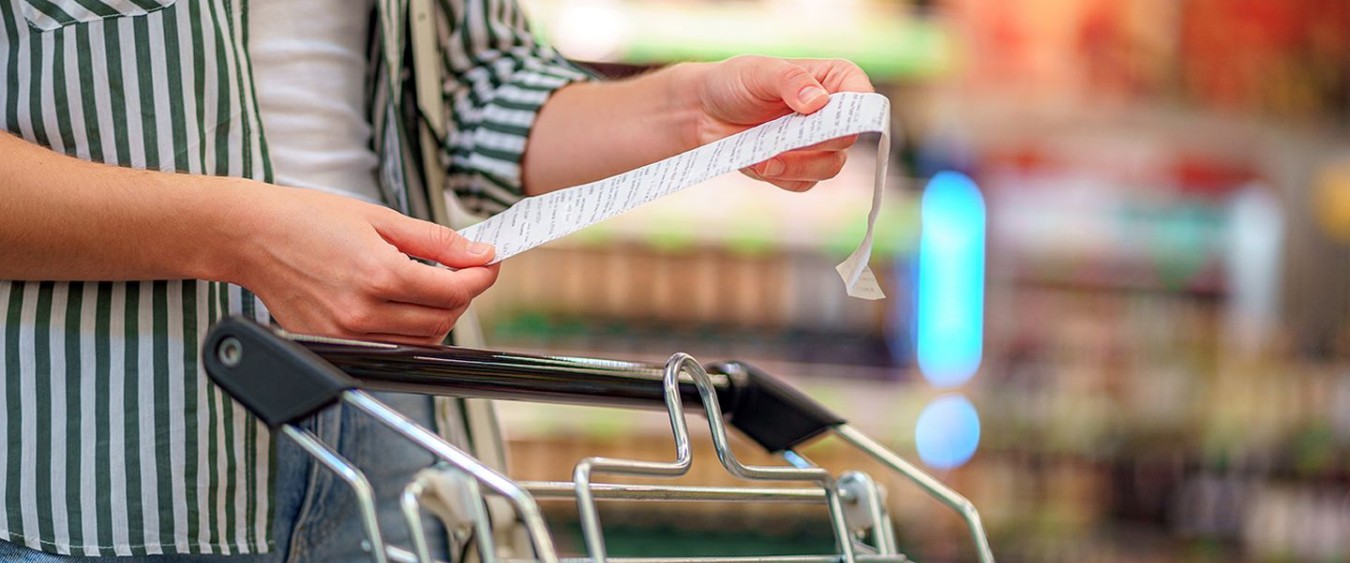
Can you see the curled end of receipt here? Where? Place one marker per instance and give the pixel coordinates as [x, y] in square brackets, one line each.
[859, 281]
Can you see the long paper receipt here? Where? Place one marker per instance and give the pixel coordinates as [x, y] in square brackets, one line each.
[540, 219]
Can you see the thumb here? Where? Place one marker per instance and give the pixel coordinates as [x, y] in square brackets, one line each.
[428, 240]
[794, 85]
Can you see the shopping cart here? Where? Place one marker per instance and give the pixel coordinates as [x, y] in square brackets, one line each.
[282, 378]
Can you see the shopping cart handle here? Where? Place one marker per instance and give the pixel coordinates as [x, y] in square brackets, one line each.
[282, 377]
[277, 380]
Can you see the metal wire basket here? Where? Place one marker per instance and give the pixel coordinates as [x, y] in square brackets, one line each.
[282, 378]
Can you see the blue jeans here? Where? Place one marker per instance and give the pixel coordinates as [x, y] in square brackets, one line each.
[315, 514]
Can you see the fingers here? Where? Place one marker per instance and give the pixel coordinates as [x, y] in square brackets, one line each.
[414, 300]
[805, 84]
[812, 166]
[837, 75]
[411, 302]
[405, 340]
[777, 79]
[436, 287]
[431, 241]
[837, 144]
[793, 186]
[400, 321]
[375, 319]
[789, 185]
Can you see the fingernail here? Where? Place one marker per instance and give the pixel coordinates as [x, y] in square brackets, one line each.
[479, 249]
[773, 167]
[810, 93]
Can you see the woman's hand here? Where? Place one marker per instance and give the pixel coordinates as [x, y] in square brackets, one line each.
[334, 266]
[742, 92]
[588, 131]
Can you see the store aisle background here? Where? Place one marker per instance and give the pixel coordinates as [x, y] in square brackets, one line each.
[1162, 319]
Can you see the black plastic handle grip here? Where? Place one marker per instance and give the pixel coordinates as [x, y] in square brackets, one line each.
[487, 374]
[282, 377]
[277, 380]
[772, 413]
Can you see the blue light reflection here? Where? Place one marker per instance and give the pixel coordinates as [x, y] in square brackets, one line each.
[947, 433]
[949, 326]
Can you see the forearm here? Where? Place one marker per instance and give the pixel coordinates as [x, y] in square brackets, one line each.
[324, 264]
[62, 218]
[592, 130]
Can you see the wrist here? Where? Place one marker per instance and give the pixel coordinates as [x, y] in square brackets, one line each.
[233, 223]
[684, 101]
[587, 131]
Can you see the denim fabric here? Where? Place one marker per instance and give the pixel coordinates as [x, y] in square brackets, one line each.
[316, 519]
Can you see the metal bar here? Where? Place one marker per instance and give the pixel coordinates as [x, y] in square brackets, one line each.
[482, 521]
[862, 491]
[467, 372]
[581, 474]
[412, 514]
[525, 506]
[560, 490]
[926, 482]
[684, 363]
[400, 555]
[470, 499]
[365, 496]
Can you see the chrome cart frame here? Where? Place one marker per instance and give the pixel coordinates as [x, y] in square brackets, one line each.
[282, 378]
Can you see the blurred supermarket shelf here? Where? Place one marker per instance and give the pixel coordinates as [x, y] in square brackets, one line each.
[887, 38]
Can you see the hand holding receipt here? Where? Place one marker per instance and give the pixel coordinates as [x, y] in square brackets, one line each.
[536, 220]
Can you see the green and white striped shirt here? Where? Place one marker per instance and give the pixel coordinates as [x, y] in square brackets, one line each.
[115, 442]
